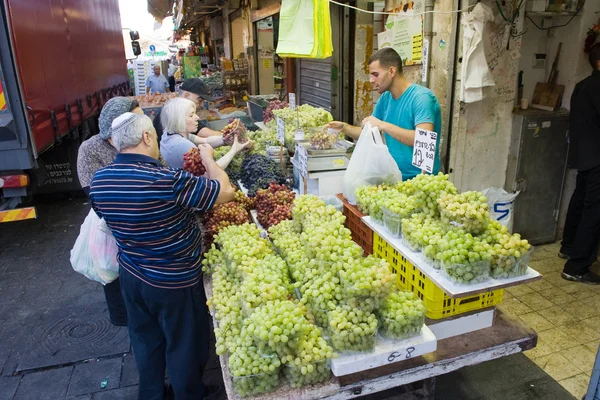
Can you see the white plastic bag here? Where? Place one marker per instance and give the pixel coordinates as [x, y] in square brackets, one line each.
[103, 249]
[81, 257]
[501, 204]
[370, 164]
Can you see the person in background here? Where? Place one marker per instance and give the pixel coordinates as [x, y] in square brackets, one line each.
[171, 76]
[179, 120]
[156, 82]
[582, 227]
[95, 153]
[150, 210]
[402, 108]
[195, 90]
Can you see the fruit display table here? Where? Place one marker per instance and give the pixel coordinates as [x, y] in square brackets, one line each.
[506, 337]
[452, 289]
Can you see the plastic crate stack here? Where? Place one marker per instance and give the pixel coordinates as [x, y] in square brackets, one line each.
[438, 304]
[361, 233]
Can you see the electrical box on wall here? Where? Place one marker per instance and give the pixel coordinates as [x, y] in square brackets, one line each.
[537, 5]
[539, 60]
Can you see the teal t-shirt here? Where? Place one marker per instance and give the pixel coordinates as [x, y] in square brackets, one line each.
[417, 105]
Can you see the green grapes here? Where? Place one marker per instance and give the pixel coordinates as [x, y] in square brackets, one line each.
[253, 372]
[469, 210]
[510, 253]
[352, 329]
[401, 315]
[366, 282]
[428, 189]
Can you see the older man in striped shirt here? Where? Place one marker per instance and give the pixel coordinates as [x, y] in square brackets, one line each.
[150, 210]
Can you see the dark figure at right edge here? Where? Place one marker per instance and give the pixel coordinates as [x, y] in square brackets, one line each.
[582, 228]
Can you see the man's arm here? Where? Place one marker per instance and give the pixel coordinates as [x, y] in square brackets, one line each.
[347, 129]
[213, 171]
[405, 136]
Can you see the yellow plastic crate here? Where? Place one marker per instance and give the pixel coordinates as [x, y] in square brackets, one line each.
[400, 266]
[438, 304]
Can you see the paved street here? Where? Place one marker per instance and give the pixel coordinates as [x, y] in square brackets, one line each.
[56, 340]
[57, 343]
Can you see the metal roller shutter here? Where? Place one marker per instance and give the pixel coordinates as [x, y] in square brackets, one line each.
[314, 83]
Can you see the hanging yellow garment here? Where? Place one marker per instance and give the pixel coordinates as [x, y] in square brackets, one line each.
[305, 29]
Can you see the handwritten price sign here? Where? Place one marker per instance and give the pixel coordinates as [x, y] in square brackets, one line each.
[280, 131]
[424, 149]
[292, 100]
[401, 355]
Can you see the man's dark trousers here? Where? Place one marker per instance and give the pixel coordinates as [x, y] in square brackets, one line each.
[168, 328]
[582, 228]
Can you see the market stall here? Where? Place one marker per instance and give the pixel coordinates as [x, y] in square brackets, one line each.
[313, 297]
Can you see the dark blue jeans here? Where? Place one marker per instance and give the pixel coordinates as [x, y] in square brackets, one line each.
[168, 328]
[582, 228]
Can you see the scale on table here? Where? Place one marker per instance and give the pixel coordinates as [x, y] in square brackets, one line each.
[324, 160]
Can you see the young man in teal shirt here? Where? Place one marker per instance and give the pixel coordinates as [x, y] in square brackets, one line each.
[402, 108]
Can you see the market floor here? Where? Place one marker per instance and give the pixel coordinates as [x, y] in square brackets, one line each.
[56, 341]
[566, 316]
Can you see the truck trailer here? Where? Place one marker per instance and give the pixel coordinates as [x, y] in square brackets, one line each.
[60, 61]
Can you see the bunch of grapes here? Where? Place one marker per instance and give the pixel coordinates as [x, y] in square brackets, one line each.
[277, 325]
[428, 189]
[288, 244]
[224, 215]
[365, 196]
[322, 138]
[401, 315]
[248, 203]
[303, 205]
[273, 105]
[253, 371]
[469, 210]
[234, 127]
[366, 282]
[192, 162]
[274, 204]
[421, 230]
[510, 253]
[258, 172]
[226, 303]
[241, 243]
[270, 281]
[465, 259]
[309, 365]
[352, 329]
[212, 258]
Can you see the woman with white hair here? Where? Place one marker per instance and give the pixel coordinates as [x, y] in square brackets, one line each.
[179, 121]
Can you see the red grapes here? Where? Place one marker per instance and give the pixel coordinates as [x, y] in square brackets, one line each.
[192, 162]
[274, 204]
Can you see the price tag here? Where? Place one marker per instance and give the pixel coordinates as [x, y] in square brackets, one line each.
[401, 355]
[280, 131]
[424, 149]
[292, 100]
[302, 160]
[299, 134]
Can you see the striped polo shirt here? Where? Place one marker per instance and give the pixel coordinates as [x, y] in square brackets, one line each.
[150, 210]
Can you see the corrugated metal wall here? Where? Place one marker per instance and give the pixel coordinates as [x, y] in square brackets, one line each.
[314, 82]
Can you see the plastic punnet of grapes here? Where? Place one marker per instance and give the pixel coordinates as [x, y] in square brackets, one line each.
[307, 373]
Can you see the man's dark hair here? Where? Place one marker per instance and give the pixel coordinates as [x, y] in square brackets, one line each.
[387, 57]
[594, 55]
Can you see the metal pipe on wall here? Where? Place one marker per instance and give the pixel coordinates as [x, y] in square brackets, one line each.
[428, 36]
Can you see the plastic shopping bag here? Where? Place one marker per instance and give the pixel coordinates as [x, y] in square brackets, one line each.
[103, 249]
[501, 205]
[371, 164]
[81, 257]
